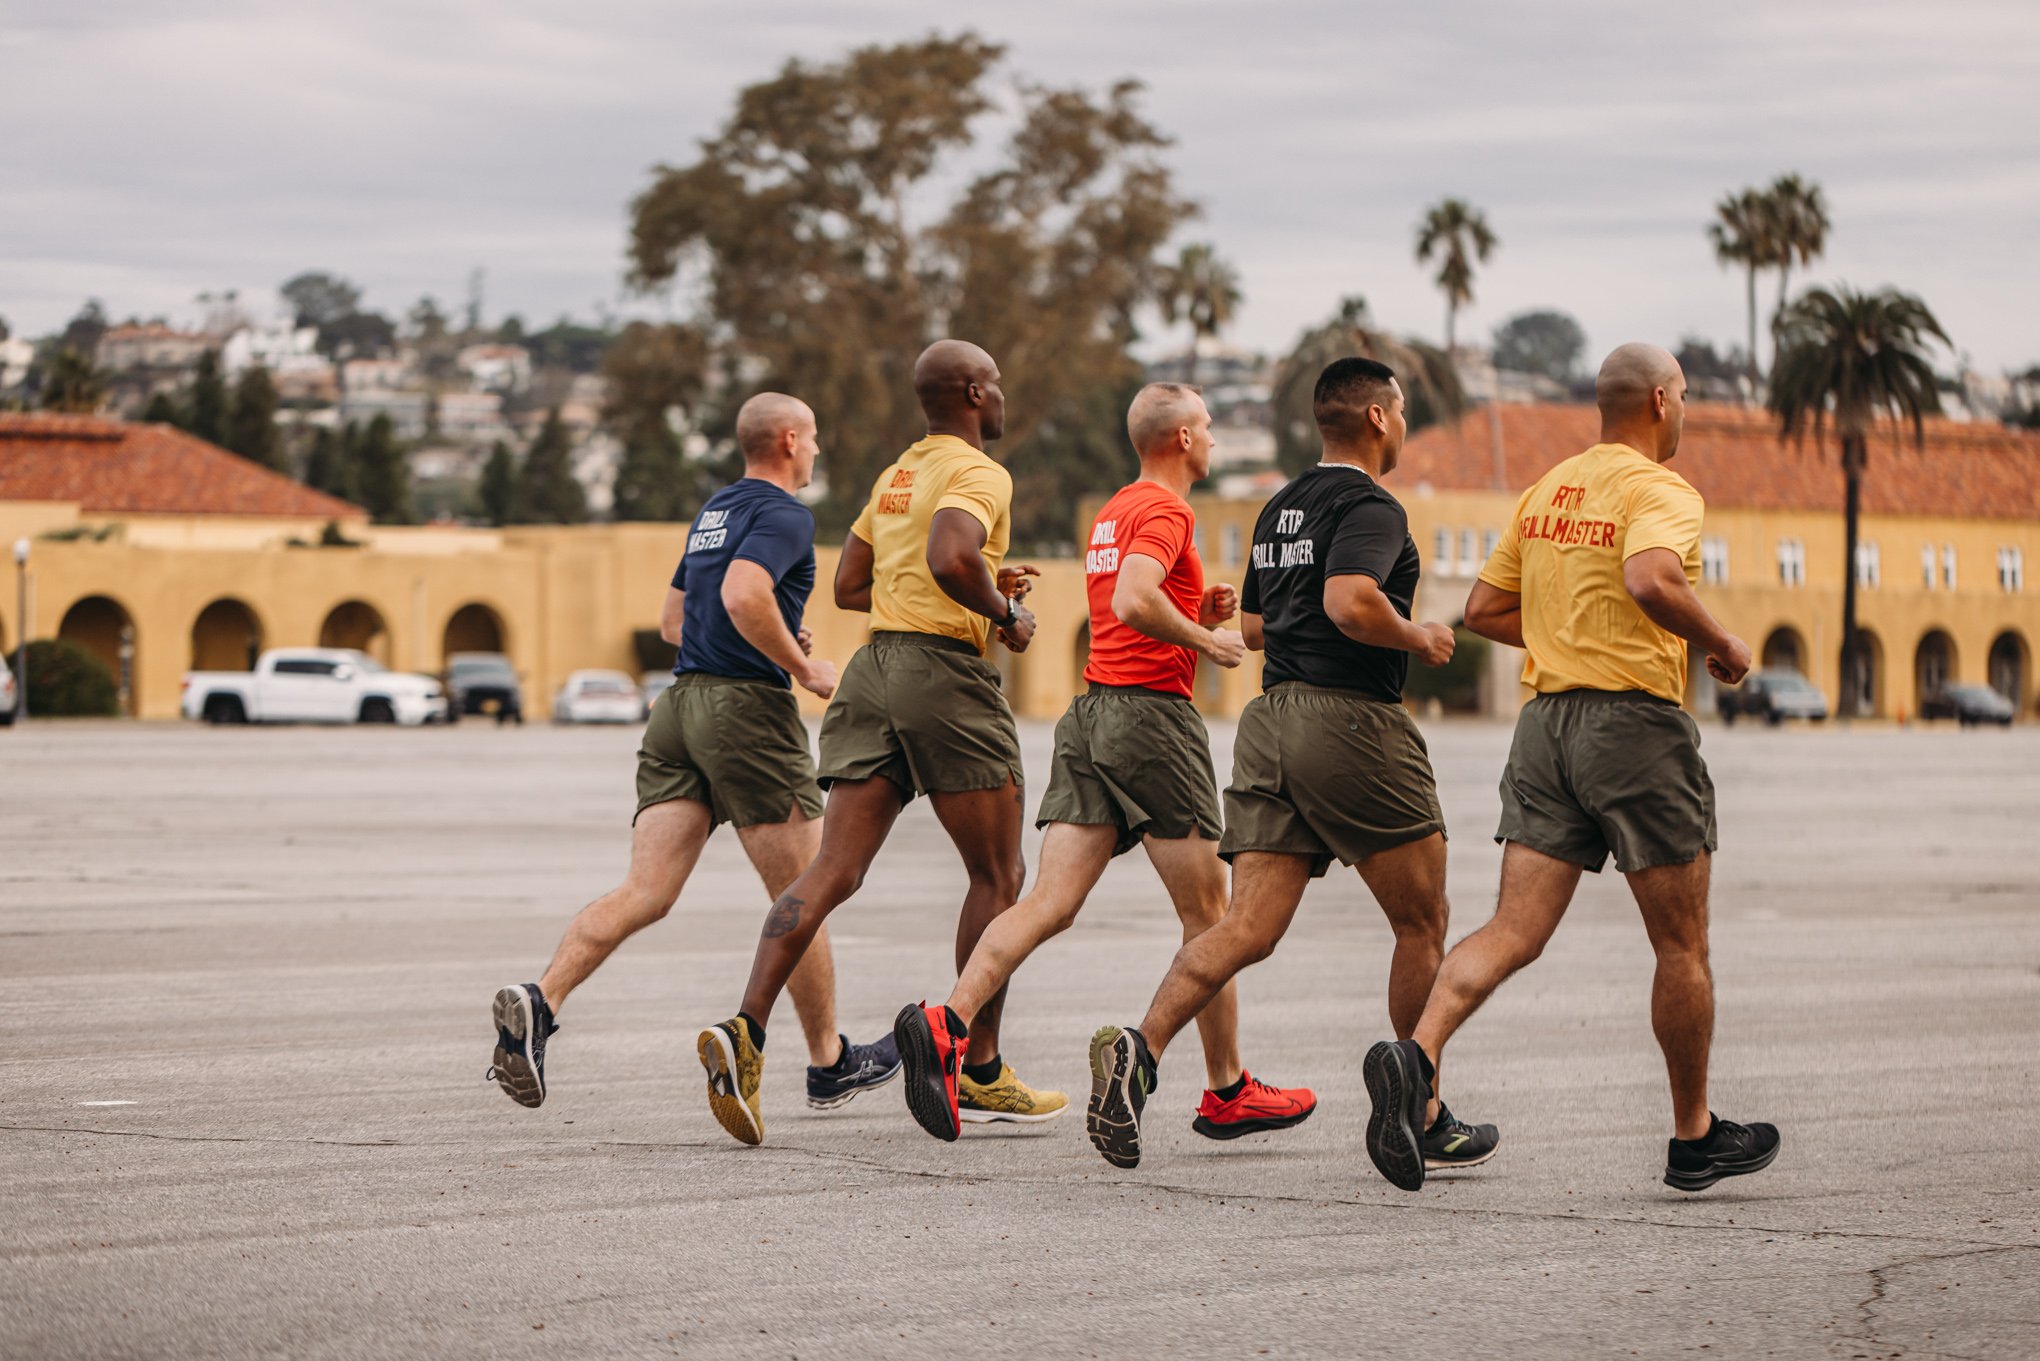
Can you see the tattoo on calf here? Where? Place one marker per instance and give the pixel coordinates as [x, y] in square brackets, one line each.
[784, 916]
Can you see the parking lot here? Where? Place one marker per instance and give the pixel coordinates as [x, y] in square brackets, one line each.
[242, 1108]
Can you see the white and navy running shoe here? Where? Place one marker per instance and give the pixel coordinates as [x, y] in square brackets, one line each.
[523, 1024]
[860, 1068]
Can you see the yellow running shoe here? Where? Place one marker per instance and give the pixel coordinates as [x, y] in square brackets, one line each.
[734, 1065]
[1005, 1098]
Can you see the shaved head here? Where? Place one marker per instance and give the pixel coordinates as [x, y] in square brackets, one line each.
[764, 421]
[958, 387]
[949, 365]
[1630, 376]
[1159, 411]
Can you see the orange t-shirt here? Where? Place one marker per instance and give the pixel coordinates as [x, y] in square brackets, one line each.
[1148, 519]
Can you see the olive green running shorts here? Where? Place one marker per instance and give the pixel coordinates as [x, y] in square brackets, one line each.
[1594, 771]
[925, 712]
[1327, 774]
[1135, 759]
[737, 745]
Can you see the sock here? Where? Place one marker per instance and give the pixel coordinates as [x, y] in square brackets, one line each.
[842, 1056]
[981, 1073]
[956, 1026]
[757, 1031]
[1231, 1089]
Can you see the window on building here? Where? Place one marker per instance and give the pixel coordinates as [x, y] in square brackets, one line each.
[1469, 552]
[1197, 538]
[1441, 552]
[1488, 541]
[2011, 570]
[1927, 566]
[1714, 561]
[1791, 562]
[1947, 566]
[1229, 552]
[1869, 569]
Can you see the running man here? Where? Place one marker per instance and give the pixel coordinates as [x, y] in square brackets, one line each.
[919, 712]
[724, 744]
[1594, 579]
[1132, 768]
[1327, 763]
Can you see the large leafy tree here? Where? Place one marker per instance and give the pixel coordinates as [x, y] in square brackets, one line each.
[1202, 289]
[814, 230]
[654, 373]
[1799, 222]
[251, 420]
[1431, 388]
[317, 298]
[204, 407]
[1745, 234]
[383, 474]
[1847, 358]
[547, 491]
[329, 464]
[498, 489]
[1548, 343]
[1457, 233]
[71, 383]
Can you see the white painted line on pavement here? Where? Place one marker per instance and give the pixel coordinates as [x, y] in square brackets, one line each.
[106, 1103]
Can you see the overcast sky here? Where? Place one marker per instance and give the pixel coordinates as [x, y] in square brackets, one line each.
[152, 150]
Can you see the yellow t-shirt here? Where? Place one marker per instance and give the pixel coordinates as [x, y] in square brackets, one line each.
[941, 472]
[1563, 553]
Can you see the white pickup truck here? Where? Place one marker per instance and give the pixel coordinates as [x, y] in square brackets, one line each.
[313, 685]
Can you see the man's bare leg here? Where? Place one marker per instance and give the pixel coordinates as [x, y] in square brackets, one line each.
[779, 851]
[1673, 899]
[984, 824]
[665, 844]
[1408, 882]
[1267, 886]
[1073, 857]
[1195, 878]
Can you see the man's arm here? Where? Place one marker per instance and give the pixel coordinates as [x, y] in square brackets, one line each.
[1250, 631]
[956, 559]
[1495, 614]
[1139, 602]
[853, 575]
[1656, 580]
[671, 614]
[747, 594]
[1358, 609]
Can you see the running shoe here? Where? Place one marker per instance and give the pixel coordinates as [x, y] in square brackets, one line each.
[523, 1024]
[1257, 1108]
[861, 1068]
[1005, 1100]
[734, 1066]
[1729, 1150]
[932, 1050]
[1395, 1080]
[1451, 1142]
[1123, 1076]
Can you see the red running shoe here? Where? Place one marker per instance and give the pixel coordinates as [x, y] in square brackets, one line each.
[932, 1055]
[1258, 1107]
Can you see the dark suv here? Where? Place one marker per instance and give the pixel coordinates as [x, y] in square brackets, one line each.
[478, 682]
[1774, 695]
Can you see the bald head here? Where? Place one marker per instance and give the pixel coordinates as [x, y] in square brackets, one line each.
[1160, 412]
[764, 422]
[1630, 376]
[958, 387]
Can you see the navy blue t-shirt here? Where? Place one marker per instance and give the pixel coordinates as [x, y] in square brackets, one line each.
[758, 522]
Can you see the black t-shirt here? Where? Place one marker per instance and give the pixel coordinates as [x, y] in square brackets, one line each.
[1329, 522]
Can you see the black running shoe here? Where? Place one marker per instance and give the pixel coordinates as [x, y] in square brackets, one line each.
[860, 1068]
[1451, 1142]
[1729, 1150]
[1122, 1078]
[1395, 1080]
[523, 1024]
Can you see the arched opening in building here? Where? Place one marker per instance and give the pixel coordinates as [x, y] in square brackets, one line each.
[1933, 664]
[1081, 654]
[359, 625]
[474, 627]
[226, 636]
[2009, 667]
[102, 626]
[1866, 679]
[1784, 650]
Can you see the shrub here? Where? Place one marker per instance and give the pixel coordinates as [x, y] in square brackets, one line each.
[1455, 685]
[66, 681]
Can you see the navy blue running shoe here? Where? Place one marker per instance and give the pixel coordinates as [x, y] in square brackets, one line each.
[860, 1068]
[523, 1024]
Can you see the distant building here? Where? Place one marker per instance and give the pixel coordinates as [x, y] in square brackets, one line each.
[368, 375]
[16, 355]
[409, 411]
[496, 368]
[150, 347]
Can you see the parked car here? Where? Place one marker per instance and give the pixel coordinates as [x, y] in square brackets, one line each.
[1968, 705]
[651, 685]
[7, 692]
[314, 685]
[598, 697]
[1774, 695]
[483, 683]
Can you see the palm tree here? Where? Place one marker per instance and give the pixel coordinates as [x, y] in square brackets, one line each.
[1204, 290]
[1800, 219]
[1745, 233]
[1457, 232]
[1430, 382]
[1850, 357]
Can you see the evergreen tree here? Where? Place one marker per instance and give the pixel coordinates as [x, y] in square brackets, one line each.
[251, 423]
[652, 482]
[162, 409]
[547, 493]
[327, 466]
[499, 486]
[384, 477]
[205, 407]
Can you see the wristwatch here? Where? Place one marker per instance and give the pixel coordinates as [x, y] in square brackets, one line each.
[1012, 614]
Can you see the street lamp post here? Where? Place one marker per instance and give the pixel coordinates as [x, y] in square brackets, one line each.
[21, 630]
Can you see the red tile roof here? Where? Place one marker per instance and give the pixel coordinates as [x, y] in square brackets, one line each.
[1734, 457]
[111, 466]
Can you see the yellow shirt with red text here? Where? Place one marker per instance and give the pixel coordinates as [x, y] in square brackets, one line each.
[1563, 553]
[940, 472]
